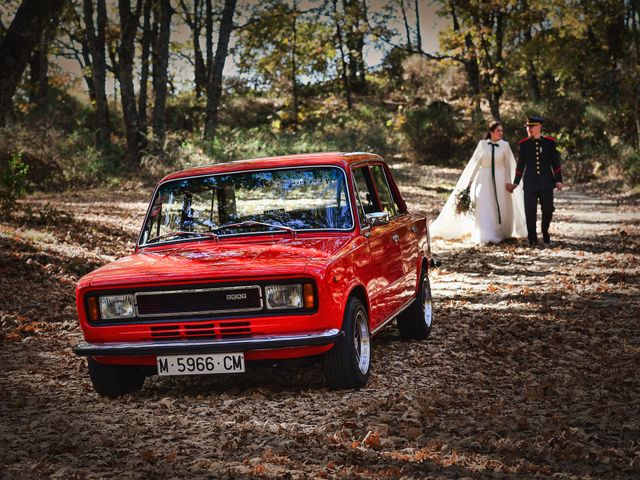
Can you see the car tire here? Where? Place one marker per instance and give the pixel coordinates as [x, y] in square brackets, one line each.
[348, 364]
[416, 321]
[115, 380]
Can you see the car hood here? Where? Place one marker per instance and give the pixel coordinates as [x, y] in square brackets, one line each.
[207, 260]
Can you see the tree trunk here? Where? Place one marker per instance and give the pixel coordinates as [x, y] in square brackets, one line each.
[354, 11]
[195, 25]
[470, 63]
[418, 29]
[17, 45]
[616, 38]
[126, 52]
[96, 43]
[635, 29]
[495, 87]
[532, 74]
[145, 43]
[636, 114]
[214, 86]
[294, 76]
[88, 66]
[85, 62]
[635, 12]
[343, 61]
[39, 69]
[406, 26]
[209, 40]
[163, 12]
[534, 82]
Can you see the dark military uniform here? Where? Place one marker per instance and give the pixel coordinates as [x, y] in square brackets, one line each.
[539, 167]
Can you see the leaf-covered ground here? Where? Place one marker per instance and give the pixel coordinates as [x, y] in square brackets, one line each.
[532, 369]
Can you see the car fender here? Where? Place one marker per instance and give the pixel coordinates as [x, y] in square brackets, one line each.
[340, 275]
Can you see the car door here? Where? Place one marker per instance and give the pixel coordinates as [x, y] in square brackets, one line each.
[406, 228]
[385, 273]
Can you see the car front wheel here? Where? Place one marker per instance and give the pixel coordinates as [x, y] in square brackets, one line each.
[348, 363]
[115, 380]
[415, 322]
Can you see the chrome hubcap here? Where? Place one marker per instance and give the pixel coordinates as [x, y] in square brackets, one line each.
[426, 302]
[362, 343]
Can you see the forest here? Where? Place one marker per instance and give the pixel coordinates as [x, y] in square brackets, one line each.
[95, 91]
[531, 369]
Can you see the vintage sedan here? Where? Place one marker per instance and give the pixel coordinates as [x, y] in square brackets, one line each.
[265, 259]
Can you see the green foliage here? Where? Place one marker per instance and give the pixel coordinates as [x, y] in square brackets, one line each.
[427, 80]
[58, 144]
[91, 166]
[250, 110]
[185, 112]
[431, 132]
[46, 216]
[13, 183]
[234, 144]
[328, 127]
[575, 63]
[632, 167]
[266, 46]
[584, 133]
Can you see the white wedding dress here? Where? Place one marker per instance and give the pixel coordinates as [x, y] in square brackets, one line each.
[497, 214]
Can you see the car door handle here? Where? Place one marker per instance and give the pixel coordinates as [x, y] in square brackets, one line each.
[395, 237]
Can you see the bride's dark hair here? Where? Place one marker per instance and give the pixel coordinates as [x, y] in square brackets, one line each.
[492, 126]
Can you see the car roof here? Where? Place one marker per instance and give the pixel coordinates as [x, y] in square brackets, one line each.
[304, 159]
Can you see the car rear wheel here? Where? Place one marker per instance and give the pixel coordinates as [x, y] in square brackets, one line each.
[415, 322]
[115, 380]
[348, 363]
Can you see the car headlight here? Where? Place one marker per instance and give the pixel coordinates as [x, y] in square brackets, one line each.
[116, 306]
[283, 296]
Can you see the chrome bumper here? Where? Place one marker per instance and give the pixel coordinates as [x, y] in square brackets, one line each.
[179, 347]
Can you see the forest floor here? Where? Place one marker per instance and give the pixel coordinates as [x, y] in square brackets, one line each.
[532, 368]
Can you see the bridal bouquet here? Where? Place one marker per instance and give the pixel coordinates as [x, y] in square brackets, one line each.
[464, 205]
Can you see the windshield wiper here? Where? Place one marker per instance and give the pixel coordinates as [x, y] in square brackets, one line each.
[182, 233]
[253, 222]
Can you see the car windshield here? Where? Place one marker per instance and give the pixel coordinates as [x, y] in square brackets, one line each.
[283, 200]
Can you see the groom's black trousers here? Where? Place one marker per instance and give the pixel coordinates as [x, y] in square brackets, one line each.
[531, 210]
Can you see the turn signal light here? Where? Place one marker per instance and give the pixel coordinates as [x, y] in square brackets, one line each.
[309, 298]
[92, 303]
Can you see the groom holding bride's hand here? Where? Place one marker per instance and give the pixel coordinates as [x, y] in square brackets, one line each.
[539, 167]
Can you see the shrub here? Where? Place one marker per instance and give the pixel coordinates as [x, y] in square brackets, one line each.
[632, 168]
[583, 132]
[431, 132]
[185, 112]
[13, 183]
[248, 111]
[83, 164]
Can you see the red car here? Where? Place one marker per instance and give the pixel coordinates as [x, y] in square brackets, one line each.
[265, 259]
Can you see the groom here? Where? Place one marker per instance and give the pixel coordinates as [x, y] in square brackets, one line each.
[539, 164]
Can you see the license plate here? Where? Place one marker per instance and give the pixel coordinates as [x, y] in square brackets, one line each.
[201, 364]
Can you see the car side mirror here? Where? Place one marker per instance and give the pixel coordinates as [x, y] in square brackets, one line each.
[377, 218]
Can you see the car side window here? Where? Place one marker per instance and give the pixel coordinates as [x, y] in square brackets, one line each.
[360, 209]
[365, 193]
[387, 201]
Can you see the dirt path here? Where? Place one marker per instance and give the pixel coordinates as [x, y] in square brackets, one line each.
[533, 367]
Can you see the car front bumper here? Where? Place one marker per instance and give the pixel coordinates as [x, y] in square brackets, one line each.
[182, 347]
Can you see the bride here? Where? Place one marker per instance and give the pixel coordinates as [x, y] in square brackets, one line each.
[496, 214]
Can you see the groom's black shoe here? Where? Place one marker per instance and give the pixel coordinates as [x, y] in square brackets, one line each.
[533, 243]
[546, 239]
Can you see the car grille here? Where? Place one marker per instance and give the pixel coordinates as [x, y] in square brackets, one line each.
[203, 301]
[214, 330]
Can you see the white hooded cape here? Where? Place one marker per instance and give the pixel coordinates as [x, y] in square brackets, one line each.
[482, 224]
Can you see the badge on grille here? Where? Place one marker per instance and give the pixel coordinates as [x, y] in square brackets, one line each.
[236, 296]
